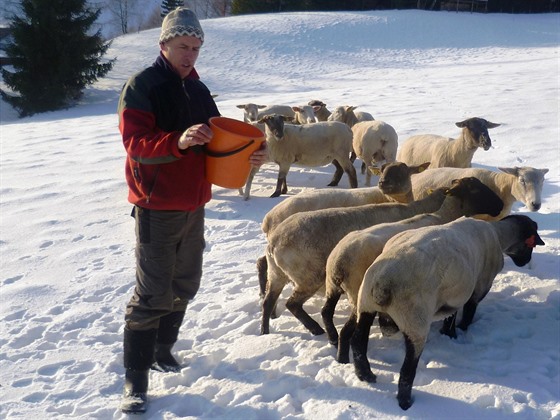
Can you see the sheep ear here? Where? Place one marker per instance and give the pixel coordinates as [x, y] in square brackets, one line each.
[261, 106]
[423, 167]
[214, 95]
[512, 171]
[461, 124]
[491, 124]
[240, 106]
[296, 108]
[544, 171]
[352, 108]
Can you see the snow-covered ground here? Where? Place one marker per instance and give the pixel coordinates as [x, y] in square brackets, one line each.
[67, 240]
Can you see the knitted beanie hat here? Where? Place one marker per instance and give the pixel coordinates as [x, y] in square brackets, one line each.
[179, 22]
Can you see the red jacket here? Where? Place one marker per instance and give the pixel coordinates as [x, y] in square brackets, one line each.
[155, 108]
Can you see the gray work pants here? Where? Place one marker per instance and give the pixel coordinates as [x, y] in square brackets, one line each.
[169, 247]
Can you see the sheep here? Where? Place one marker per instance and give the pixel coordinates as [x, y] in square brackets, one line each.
[307, 145]
[347, 115]
[251, 111]
[304, 115]
[522, 184]
[298, 249]
[320, 109]
[429, 273]
[351, 257]
[443, 151]
[374, 142]
[394, 186]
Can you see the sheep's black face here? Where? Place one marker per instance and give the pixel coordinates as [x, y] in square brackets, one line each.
[476, 197]
[478, 128]
[275, 124]
[522, 251]
[395, 179]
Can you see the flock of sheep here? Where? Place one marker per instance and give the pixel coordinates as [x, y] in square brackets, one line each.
[423, 244]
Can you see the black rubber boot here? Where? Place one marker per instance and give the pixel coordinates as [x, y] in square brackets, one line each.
[168, 332]
[135, 395]
[138, 357]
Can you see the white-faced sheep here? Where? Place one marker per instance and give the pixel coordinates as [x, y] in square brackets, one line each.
[347, 115]
[394, 186]
[304, 115]
[253, 112]
[307, 145]
[298, 249]
[374, 142]
[443, 151]
[351, 257]
[430, 273]
[511, 184]
[320, 109]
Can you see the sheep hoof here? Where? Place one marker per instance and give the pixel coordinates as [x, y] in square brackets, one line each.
[343, 359]
[317, 330]
[451, 333]
[275, 194]
[405, 402]
[368, 376]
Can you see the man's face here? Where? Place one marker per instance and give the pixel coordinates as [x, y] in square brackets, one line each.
[182, 52]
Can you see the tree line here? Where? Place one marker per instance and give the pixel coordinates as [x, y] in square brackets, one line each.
[493, 6]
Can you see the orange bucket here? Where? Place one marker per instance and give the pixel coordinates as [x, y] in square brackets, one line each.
[227, 155]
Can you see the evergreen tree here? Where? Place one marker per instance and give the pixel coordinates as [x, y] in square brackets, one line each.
[52, 54]
[169, 5]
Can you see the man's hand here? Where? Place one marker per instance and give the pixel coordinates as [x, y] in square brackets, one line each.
[198, 134]
[258, 157]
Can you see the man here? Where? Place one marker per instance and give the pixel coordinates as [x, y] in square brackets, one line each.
[163, 118]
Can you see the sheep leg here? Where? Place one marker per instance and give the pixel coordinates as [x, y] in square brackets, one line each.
[262, 266]
[281, 185]
[414, 349]
[295, 306]
[448, 327]
[327, 313]
[469, 309]
[274, 286]
[350, 171]
[337, 174]
[248, 183]
[346, 333]
[363, 168]
[359, 343]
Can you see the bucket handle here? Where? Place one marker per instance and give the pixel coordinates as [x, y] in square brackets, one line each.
[230, 153]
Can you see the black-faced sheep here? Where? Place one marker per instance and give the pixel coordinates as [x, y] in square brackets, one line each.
[351, 257]
[511, 184]
[394, 186]
[320, 109]
[443, 151]
[298, 249]
[430, 273]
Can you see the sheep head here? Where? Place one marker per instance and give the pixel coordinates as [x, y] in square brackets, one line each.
[275, 124]
[528, 238]
[528, 185]
[395, 179]
[475, 197]
[477, 132]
